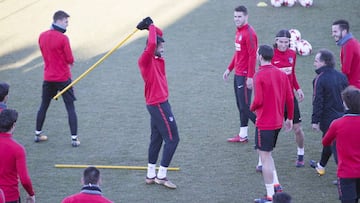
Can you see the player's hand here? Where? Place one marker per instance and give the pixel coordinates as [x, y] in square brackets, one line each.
[249, 83]
[30, 199]
[226, 75]
[315, 126]
[288, 125]
[144, 24]
[300, 94]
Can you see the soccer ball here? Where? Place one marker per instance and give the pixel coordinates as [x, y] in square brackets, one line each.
[303, 48]
[295, 35]
[276, 3]
[289, 3]
[306, 3]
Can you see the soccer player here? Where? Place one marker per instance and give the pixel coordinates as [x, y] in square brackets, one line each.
[90, 191]
[162, 121]
[4, 95]
[13, 166]
[345, 131]
[327, 102]
[58, 60]
[350, 51]
[244, 62]
[269, 80]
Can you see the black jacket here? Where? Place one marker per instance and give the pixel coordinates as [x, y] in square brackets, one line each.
[327, 101]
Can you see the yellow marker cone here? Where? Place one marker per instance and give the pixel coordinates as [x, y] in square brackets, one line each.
[261, 4]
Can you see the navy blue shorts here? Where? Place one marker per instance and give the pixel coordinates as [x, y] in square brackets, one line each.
[265, 140]
[297, 116]
[349, 188]
[50, 89]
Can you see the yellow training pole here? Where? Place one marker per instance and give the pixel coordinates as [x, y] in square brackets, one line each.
[109, 167]
[93, 66]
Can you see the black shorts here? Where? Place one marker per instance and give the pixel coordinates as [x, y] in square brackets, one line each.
[50, 89]
[297, 116]
[349, 188]
[265, 140]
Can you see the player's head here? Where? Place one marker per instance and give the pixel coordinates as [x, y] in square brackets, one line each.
[240, 16]
[91, 176]
[8, 119]
[61, 19]
[282, 40]
[324, 57]
[265, 53]
[281, 197]
[4, 91]
[339, 29]
[159, 46]
[351, 98]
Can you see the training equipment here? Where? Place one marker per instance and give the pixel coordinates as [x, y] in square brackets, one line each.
[276, 3]
[261, 4]
[144, 24]
[110, 167]
[94, 66]
[289, 3]
[306, 3]
[303, 47]
[237, 138]
[295, 34]
[278, 188]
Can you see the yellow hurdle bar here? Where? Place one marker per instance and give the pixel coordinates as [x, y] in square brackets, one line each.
[93, 66]
[109, 167]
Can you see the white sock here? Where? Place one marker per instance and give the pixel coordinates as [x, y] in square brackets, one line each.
[300, 151]
[162, 172]
[38, 132]
[73, 137]
[243, 132]
[269, 190]
[259, 162]
[151, 170]
[276, 179]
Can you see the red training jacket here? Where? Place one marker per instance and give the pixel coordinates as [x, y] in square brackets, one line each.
[286, 61]
[152, 70]
[12, 168]
[56, 51]
[244, 59]
[272, 92]
[345, 131]
[350, 61]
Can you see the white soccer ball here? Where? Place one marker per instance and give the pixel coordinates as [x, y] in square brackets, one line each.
[276, 3]
[295, 35]
[306, 3]
[289, 3]
[303, 48]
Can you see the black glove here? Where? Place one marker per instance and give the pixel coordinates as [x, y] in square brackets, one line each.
[144, 24]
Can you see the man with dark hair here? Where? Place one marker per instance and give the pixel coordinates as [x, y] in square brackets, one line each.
[58, 60]
[327, 102]
[350, 51]
[163, 125]
[4, 95]
[244, 62]
[13, 161]
[90, 192]
[345, 131]
[269, 80]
